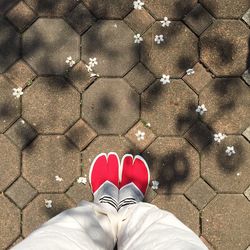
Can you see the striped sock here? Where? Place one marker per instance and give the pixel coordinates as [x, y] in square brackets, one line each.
[110, 200]
[125, 202]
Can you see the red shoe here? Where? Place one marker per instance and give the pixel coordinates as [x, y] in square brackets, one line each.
[134, 176]
[104, 178]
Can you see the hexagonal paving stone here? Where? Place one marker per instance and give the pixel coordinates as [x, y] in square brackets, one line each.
[81, 134]
[21, 15]
[174, 9]
[9, 44]
[10, 162]
[199, 136]
[181, 208]
[105, 144]
[227, 173]
[200, 193]
[48, 156]
[224, 47]
[194, 81]
[79, 192]
[223, 98]
[47, 53]
[35, 214]
[21, 192]
[112, 43]
[173, 162]
[20, 74]
[51, 7]
[110, 106]
[80, 77]
[9, 105]
[109, 9]
[139, 77]
[246, 133]
[175, 55]
[136, 140]
[246, 17]
[21, 133]
[80, 18]
[198, 19]
[226, 222]
[139, 20]
[51, 105]
[9, 222]
[226, 8]
[170, 109]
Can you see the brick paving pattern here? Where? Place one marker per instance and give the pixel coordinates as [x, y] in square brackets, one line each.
[68, 114]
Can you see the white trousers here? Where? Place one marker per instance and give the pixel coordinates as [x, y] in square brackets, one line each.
[141, 226]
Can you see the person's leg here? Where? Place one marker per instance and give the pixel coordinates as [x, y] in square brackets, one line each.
[142, 225]
[88, 226]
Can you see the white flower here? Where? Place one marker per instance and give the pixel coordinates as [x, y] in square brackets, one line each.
[82, 180]
[190, 72]
[89, 68]
[148, 125]
[219, 137]
[17, 92]
[138, 38]
[138, 4]
[70, 61]
[201, 109]
[165, 79]
[165, 22]
[48, 203]
[159, 39]
[92, 62]
[155, 184]
[140, 135]
[58, 178]
[230, 150]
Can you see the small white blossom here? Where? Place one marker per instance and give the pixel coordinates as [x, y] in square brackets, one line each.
[165, 79]
[155, 185]
[58, 178]
[92, 62]
[148, 125]
[201, 109]
[22, 121]
[159, 39]
[238, 174]
[165, 22]
[138, 4]
[140, 135]
[190, 72]
[219, 137]
[70, 61]
[230, 150]
[138, 38]
[89, 68]
[82, 180]
[17, 92]
[48, 203]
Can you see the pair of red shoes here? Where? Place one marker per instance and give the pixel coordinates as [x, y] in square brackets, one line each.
[119, 183]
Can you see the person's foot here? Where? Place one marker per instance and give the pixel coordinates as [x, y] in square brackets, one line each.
[134, 177]
[104, 179]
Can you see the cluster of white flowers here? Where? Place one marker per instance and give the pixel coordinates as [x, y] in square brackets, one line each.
[165, 79]
[159, 39]
[219, 137]
[17, 92]
[140, 135]
[48, 203]
[138, 4]
[190, 72]
[155, 185]
[230, 150]
[138, 38]
[58, 178]
[201, 109]
[90, 66]
[70, 61]
[165, 22]
[148, 125]
[82, 180]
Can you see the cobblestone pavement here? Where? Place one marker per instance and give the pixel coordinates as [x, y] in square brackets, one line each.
[67, 115]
